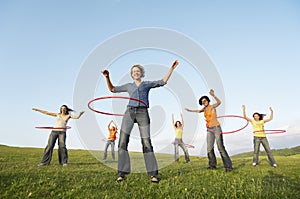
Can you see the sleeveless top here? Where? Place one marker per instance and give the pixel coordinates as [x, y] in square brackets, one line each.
[210, 115]
[258, 127]
[178, 133]
[61, 122]
[112, 134]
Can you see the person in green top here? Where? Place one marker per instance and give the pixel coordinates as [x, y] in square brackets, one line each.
[260, 135]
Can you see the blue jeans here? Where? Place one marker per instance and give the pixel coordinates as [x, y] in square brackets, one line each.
[264, 141]
[140, 116]
[218, 137]
[112, 143]
[62, 150]
[179, 143]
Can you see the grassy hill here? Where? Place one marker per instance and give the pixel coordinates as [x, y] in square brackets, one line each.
[85, 177]
[276, 152]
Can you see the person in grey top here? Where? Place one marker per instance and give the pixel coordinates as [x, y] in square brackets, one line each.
[137, 112]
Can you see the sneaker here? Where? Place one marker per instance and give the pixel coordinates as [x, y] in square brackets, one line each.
[120, 178]
[65, 164]
[154, 179]
[274, 165]
[42, 164]
[254, 164]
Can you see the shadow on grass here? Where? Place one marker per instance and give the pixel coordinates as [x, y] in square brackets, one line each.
[279, 182]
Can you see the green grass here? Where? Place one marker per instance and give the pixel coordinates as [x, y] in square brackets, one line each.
[85, 177]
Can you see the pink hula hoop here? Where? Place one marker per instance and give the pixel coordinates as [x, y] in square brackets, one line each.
[53, 128]
[272, 131]
[187, 145]
[109, 97]
[236, 116]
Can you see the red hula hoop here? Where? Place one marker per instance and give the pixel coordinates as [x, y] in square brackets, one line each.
[272, 131]
[50, 127]
[187, 145]
[230, 131]
[108, 97]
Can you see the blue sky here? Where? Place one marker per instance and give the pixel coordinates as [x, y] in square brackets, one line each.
[254, 45]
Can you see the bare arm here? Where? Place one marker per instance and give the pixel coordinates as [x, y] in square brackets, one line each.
[45, 112]
[108, 82]
[244, 113]
[173, 122]
[167, 77]
[195, 111]
[271, 116]
[78, 116]
[182, 123]
[218, 101]
[108, 126]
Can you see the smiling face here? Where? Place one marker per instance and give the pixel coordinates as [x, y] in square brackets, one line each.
[204, 102]
[256, 117]
[178, 124]
[63, 110]
[137, 72]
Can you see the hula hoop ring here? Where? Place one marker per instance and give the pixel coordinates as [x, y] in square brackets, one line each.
[106, 139]
[187, 145]
[52, 128]
[109, 97]
[236, 116]
[275, 131]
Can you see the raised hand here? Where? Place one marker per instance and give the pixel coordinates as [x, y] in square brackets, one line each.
[105, 73]
[175, 64]
[212, 92]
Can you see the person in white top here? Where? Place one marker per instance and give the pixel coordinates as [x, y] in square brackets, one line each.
[58, 132]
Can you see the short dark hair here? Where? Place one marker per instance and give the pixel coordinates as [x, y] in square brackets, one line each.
[203, 97]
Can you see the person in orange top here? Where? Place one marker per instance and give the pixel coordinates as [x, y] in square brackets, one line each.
[113, 130]
[214, 132]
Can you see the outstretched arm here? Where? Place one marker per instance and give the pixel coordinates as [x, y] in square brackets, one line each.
[271, 116]
[78, 116]
[108, 82]
[174, 65]
[45, 112]
[218, 101]
[195, 111]
[244, 113]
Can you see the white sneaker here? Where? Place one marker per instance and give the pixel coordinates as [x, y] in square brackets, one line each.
[65, 164]
[274, 165]
[254, 164]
